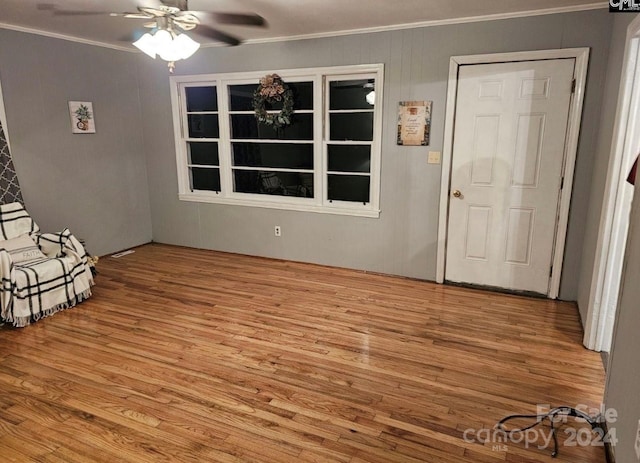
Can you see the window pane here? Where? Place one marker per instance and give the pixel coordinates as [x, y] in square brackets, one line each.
[273, 183]
[348, 188]
[349, 158]
[205, 179]
[285, 155]
[203, 126]
[351, 126]
[246, 126]
[350, 94]
[201, 99]
[241, 96]
[203, 153]
[302, 94]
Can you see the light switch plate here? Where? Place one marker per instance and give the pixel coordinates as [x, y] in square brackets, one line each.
[434, 157]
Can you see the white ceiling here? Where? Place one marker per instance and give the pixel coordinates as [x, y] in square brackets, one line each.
[285, 18]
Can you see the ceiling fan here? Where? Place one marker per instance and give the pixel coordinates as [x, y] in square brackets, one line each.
[168, 20]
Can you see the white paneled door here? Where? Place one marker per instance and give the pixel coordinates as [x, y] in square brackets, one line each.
[508, 150]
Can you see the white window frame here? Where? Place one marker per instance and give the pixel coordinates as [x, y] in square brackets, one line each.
[320, 78]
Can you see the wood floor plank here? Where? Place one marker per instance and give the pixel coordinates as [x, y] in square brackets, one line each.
[187, 355]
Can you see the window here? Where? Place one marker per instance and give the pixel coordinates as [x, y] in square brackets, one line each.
[326, 160]
[203, 134]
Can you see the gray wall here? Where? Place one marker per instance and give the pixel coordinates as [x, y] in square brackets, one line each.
[623, 378]
[403, 240]
[93, 184]
[601, 156]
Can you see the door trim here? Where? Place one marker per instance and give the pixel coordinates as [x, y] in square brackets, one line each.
[600, 319]
[581, 56]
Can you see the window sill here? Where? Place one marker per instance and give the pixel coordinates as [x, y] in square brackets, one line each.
[364, 212]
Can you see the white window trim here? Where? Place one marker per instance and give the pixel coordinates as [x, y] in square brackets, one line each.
[318, 204]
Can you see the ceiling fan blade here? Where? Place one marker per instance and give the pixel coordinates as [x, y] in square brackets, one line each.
[135, 15]
[240, 19]
[57, 12]
[180, 4]
[215, 34]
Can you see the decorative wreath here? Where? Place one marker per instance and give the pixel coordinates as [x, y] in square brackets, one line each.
[272, 90]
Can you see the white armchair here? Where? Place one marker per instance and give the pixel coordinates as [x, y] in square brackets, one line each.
[41, 273]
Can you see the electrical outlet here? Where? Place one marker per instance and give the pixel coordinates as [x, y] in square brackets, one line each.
[637, 445]
[277, 231]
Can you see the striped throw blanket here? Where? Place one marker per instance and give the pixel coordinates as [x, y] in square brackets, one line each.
[34, 289]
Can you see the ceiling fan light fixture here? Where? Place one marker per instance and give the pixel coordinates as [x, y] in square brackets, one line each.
[186, 44]
[178, 47]
[168, 45]
[162, 39]
[147, 45]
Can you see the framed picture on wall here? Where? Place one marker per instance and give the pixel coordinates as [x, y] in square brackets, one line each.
[82, 117]
[414, 123]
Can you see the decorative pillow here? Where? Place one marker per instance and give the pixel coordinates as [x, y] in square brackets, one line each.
[22, 249]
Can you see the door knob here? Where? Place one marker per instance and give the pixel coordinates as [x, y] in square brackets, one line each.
[456, 193]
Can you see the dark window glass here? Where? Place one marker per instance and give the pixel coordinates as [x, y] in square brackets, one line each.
[348, 188]
[350, 94]
[205, 154]
[241, 96]
[285, 155]
[201, 99]
[351, 126]
[246, 126]
[203, 126]
[205, 179]
[349, 158]
[273, 183]
[302, 94]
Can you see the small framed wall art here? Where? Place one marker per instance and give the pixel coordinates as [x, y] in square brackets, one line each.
[414, 123]
[82, 117]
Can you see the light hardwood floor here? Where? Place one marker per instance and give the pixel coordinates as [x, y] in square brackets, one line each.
[199, 356]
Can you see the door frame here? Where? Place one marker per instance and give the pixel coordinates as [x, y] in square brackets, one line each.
[581, 56]
[598, 330]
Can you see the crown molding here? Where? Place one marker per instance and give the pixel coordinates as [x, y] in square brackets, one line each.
[69, 38]
[438, 22]
[319, 35]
